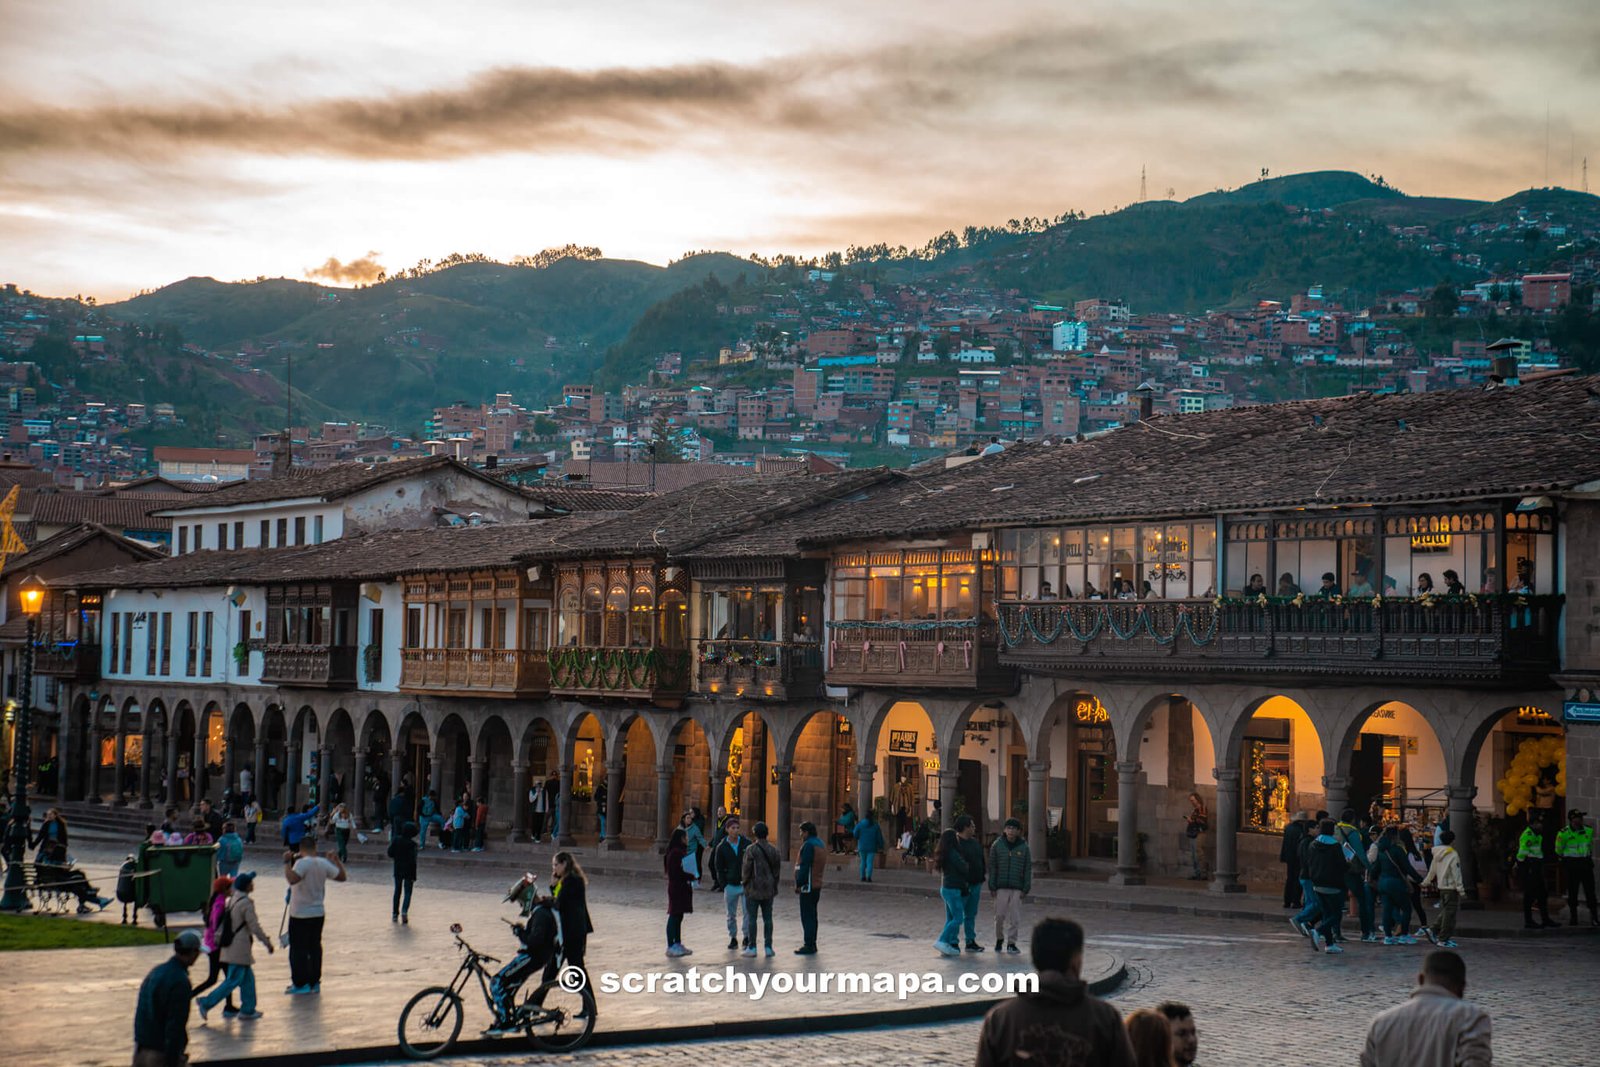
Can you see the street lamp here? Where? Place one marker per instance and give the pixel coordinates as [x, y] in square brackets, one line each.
[30, 594]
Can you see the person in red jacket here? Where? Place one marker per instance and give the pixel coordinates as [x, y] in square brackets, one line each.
[480, 825]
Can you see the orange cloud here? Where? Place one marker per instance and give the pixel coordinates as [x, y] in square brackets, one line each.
[361, 271]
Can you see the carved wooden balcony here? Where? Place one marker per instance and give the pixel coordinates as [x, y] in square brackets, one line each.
[490, 672]
[73, 661]
[1500, 638]
[658, 675]
[759, 670]
[309, 666]
[930, 654]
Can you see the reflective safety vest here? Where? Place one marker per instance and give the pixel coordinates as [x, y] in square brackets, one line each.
[1575, 844]
[1531, 845]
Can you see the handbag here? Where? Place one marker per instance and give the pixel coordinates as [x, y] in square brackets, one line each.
[283, 934]
[1193, 829]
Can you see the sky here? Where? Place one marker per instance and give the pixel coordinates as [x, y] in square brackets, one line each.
[144, 143]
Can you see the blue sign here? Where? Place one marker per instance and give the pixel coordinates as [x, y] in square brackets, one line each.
[1575, 711]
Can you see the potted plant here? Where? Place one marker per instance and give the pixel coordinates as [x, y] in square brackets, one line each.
[241, 657]
[372, 662]
[1058, 848]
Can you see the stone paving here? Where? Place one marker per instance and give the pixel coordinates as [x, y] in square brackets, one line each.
[372, 967]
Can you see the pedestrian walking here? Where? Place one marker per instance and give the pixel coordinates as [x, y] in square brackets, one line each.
[1394, 886]
[1010, 879]
[1195, 824]
[759, 869]
[680, 890]
[240, 930]
[972, 854]
[844, 828]
[1327, 867]
[1445, 873]
[1294, 833]
[1435, 1027]
[480, 825]
[600, 807]
[1355, 845]
[210, 937]
[952, 870]
[230, 849]
[307, 874]
[727, 861]
[1185, 1034]
[1310, 910]
[400, 813]
[539, 796]
[343, 822]
[252, 816]
[570, 887]
[161, 1019]
[403, 853]
[808, 872]
[1060, 1023]
[1530, 873]
[1575, 846]
[296, 825]
[695, 843]
[1151, 1037]
[869, 842]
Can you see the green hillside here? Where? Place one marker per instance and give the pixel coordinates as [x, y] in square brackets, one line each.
[1315, 190]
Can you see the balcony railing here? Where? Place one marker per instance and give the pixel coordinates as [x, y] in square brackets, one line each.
[309, 665]
[760, 670]
[72, 661]
[508, 672]
[932, 654]
[1484, 638]
[656, 674]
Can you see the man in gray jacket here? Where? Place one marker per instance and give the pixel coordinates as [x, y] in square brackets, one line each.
[1435, 1027]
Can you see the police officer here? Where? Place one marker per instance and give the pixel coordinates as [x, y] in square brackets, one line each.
[1575, 846]
[1530, 872]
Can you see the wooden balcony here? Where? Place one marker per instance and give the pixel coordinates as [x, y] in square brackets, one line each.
[952, 654]
[659, 675]
[309, 666]
[489, 672]
[760, 670]
[1488, 639]
[72, 661]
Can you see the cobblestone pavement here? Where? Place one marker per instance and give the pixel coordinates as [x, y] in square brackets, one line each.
[1261, 996]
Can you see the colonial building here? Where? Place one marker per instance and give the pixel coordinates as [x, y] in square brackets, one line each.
[1372, 601]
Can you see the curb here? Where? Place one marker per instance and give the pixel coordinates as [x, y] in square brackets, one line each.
[777, 1027]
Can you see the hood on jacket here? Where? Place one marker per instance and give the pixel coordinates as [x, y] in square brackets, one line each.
[1060, 989]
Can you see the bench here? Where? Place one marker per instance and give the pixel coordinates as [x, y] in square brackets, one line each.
[53, 889]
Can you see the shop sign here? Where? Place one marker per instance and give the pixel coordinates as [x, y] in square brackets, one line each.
[1090, 710]
[1581, 711]
[1430, 542]
[903, 741]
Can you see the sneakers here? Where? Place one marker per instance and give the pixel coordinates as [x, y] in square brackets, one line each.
[733, 942]
[250, 1015]
[806, 950]
[1317, 944]
[1299, 927]
[946, 948]
[1405, 939]
[1447, 943]
[1390, 940]
[500, 1028]
[973, 946]
[750, 950]
[1012, 948]
[675, 951]
[203, 1008]
[1371, 939]
[1335, 949]
[1428, 933]
[231, 1012]
[405, 920]
[770, 953]
[394, 918]
[297, 990]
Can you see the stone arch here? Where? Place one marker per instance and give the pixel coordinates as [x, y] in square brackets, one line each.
[211, 752]
[903, 777]
[273, 740]
[1412, 711]
[584, 748]
[989, 760]
[450, 759]
[181, 736]
[637, 752]
[747, 752]
[686, 750]
[493, 776]
[413, 745]
[540, 746]
[339, 743]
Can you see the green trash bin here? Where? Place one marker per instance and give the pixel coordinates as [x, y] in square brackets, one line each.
[175, 878]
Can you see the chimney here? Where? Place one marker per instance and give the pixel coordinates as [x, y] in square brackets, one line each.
[77, 482]
[1505, 369]
[282, 456]
[491, 462]
[1147, 401]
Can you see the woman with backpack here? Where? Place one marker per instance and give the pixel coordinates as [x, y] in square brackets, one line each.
[210, 940]
[240, 927]
[1394, 886]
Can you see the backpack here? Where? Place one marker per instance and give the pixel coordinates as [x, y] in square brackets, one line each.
[226, 931]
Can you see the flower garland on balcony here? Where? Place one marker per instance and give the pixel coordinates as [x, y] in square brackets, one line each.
[912, 625]
[1104, 618]
[610, 668]
[1427, 600]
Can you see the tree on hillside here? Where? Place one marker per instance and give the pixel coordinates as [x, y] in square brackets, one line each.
[1442, 301]
[666, 440]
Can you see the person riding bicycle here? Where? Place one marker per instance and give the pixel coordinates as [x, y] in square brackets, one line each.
[539, 935]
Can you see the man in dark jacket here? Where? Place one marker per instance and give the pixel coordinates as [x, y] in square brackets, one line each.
[1289, 856]
[1062, 1022]
[1010, 879]
[161, 1021]
[977, 874]
[727, 866]
[1327, 869]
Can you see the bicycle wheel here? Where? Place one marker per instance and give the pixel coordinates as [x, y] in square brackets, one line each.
[560, 1020]
[430, 1023]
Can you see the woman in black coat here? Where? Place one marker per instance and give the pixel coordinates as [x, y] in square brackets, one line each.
[570, 886]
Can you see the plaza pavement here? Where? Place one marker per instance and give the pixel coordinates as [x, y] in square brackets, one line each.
[76, 1007]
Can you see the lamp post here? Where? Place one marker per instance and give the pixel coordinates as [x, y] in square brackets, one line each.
[30, 595]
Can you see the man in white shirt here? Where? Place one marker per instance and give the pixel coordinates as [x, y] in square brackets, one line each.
[247, 782]
[307, 875]
[1435, 1027]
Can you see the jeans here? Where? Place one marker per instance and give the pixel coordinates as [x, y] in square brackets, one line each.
[674, 930]
[1007, 915]
[402, 894]
[239, 977]
[751, 907]
[868, 859]
[1356, 886]
[216, 970]
[733, 899]
[341, 843]
[229, 869]
[1331, 903]
[1313, 907]
[504, 985]
[808, 917]
[1396, 905]
[250, 833]
[1292, 897]
[305, 950]
[1449, 904]
[969, 912]
[954, 910]
[1196, 854]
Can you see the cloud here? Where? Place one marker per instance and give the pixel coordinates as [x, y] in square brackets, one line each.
[355, 272]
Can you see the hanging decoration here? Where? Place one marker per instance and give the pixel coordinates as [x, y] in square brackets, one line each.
[1538, 768]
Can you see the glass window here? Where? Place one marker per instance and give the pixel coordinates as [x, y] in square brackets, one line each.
[535, 628]
[455, 628]
[883, 594]
[674, 620]
[593, 616]
[414, 626]
[616, 618]
[849, 593]
[641, 617]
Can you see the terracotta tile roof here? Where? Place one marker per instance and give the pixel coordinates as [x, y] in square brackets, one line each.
[1403, 448]
[576, 498]
[326, 483]
[119, 512]
[67, 540]
[669, 477]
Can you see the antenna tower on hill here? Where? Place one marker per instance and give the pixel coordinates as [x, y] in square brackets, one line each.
[1141, 184]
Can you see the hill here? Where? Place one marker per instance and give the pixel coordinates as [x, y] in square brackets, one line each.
[1315, 190]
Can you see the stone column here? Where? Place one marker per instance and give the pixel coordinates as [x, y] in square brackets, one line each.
[229, 766]
[519, 801]
[480, 769]
[1128, 872]
[715, 801]
[1461, 820]
[169, 769]
[865, 772]
[324, 776]
[63, 746]
[197, 764]
[948, 781]
[147, 757]
[664, 821]
[436, 780]
[784, 772]
[1336, 794]
[564, 808]
[258, 769]
[92, 764]
[291, 777]
[614, 784]
[358, 790]
[120, 761]
[1226, 871]
[397, 770]
[1039, 814]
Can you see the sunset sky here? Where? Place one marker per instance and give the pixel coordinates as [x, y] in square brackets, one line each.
[143, 143]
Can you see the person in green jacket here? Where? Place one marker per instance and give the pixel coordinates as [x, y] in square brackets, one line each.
[1530, 872]
[1010, 879]
[1575, 846]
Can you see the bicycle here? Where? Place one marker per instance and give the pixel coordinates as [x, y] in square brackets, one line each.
[555, 1018]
